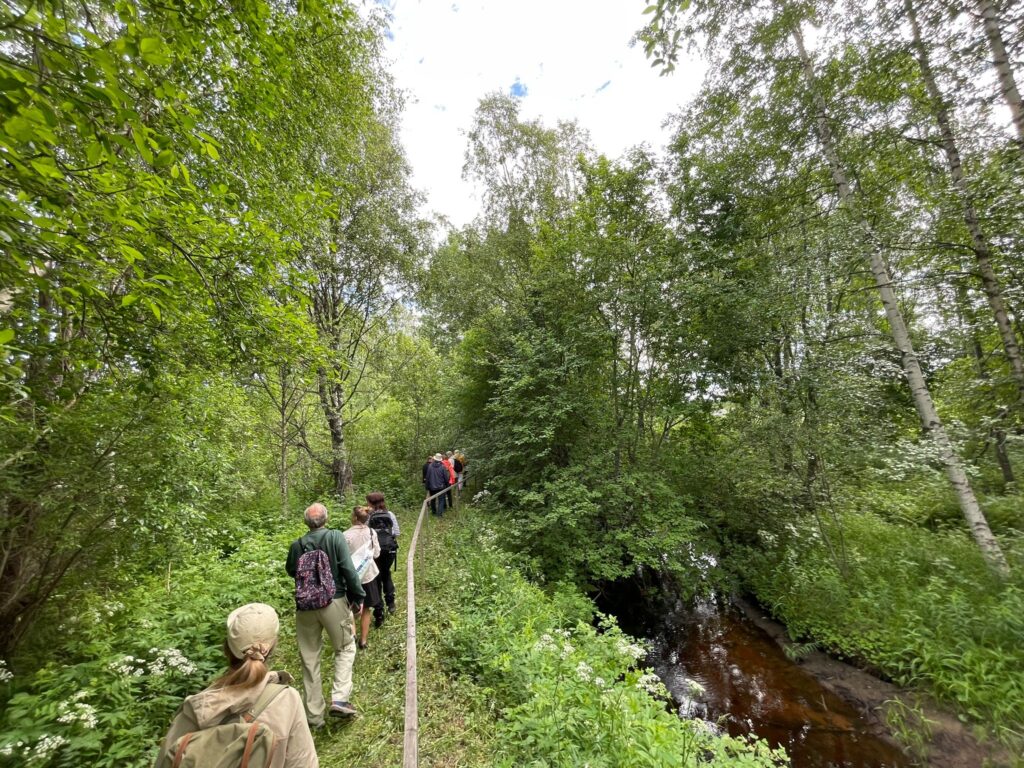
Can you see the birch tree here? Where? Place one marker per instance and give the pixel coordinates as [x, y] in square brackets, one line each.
[770, 25]
[980, 244]
[993, 28]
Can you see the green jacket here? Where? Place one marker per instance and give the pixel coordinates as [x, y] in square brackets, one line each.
[332, 542]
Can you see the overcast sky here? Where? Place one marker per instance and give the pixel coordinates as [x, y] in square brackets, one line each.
[564, 59]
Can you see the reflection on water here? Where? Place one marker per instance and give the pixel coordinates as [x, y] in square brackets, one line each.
[724, 669]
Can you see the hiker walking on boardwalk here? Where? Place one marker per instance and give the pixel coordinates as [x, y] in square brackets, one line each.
[447, 461]
[249, 707]
[459, 465]
[384, 522]
[436, 479]
[327, 594]
[362, 537]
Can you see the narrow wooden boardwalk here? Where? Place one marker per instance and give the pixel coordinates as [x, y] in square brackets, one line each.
[410, 754]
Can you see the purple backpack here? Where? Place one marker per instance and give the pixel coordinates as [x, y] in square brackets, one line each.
[314, 582]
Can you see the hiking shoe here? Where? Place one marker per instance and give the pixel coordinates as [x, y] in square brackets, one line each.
[343, 709]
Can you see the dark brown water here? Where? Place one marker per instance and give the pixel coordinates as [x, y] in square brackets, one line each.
[722, 668]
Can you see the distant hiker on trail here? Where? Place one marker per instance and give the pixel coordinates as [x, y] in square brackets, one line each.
[362, 537]
[459, 465]
[436, 479]
[447, 461]
[321, 564]
[248, 702]
[384, 522]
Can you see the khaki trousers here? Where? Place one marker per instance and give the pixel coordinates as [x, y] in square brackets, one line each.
[337, 619]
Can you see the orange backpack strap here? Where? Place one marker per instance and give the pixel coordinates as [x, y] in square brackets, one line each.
[181, 750]
[248, 745]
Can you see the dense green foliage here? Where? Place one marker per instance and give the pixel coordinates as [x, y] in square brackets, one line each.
[790, 341]
[569, 693]
[207, 203]
[127, 659]
[688, 353]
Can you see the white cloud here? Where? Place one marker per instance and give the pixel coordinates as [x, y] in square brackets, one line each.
[572, 58]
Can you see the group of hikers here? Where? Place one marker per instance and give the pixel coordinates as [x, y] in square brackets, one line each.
[251, 715]
[440, 472]
[251, 712]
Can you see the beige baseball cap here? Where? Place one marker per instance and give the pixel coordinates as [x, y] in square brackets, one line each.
[254, 624]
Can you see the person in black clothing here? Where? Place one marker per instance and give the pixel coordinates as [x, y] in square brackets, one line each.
[384, 522]
[436, 478]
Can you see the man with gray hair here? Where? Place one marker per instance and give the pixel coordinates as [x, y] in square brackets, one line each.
[336, 617]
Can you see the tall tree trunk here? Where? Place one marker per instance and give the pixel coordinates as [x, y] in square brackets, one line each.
[996, 434]
[1001, 61]
[979, 243]
[930, 421]
[284, 426]
[332, 402]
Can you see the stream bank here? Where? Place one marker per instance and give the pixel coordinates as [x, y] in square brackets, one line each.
[725, 662]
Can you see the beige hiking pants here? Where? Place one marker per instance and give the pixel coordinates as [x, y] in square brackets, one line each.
[337, 619]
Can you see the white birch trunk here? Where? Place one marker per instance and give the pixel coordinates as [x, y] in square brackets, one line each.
[1001, 61]
[930, 421]
[979, 243]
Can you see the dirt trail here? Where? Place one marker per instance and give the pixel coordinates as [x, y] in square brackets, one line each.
[950, 743]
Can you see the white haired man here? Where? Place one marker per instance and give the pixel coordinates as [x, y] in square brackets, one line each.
[336, 618]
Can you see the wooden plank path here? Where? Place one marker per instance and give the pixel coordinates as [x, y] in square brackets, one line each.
[411, 748]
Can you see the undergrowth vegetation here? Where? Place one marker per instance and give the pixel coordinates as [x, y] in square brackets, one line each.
[126, 661]
[569, 693]
[920, 606]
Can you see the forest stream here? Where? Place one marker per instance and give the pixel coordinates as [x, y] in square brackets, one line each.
[723, 668]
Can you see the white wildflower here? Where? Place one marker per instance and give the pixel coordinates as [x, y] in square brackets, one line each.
[633, 650]
[170, 660]
[599, 682]
[546, 643]
[5, 674]
[47, 746]
[584, 671]
[76, 711]
[567, 650]
[11, 747]
[125, 666]
[696, 689]
[481, 495]
[649, 682]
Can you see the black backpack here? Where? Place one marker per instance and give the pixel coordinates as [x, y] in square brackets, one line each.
[381, 522]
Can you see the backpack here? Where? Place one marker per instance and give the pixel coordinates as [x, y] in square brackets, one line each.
[381, 523]
[314, 581]
[245, 743]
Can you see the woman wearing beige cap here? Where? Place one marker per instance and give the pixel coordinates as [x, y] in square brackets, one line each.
[249, 708]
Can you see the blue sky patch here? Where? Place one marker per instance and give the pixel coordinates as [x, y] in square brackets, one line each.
[517, 89]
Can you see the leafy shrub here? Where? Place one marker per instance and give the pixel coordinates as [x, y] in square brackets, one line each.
[570, 693]
[920, 606]
[129, 660]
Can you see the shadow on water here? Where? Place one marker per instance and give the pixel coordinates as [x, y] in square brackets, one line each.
[723, 669]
